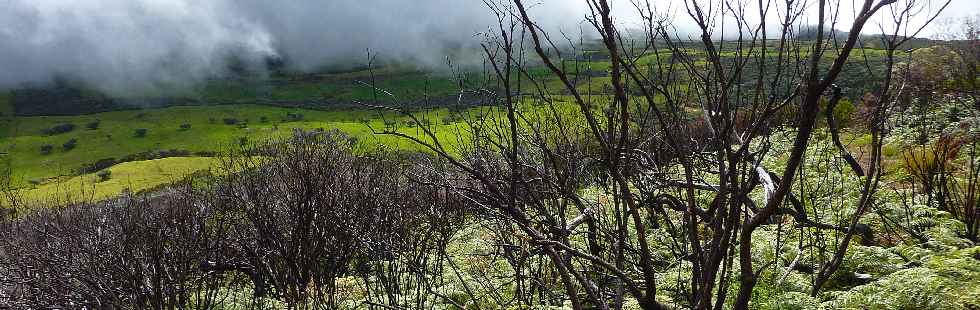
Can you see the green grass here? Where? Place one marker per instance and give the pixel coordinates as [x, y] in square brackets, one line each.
[57, 173]
[115, 137]
[134, 176]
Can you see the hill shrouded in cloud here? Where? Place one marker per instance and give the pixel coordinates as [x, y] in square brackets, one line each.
[121, 44]
[125, 44]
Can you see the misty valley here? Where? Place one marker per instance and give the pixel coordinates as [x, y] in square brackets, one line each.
[498, 154]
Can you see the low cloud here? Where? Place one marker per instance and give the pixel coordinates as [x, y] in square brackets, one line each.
[119, 45]
[125, 44]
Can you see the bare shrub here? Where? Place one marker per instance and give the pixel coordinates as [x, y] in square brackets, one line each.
[314, 212]
[135, 252]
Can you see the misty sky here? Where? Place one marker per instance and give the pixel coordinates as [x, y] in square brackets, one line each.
[120, 44]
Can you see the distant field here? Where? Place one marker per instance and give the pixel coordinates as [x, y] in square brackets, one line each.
[197, 123]
[223, 113]
[211, 129]
[44, 164]
[132, 176]
[317, 91]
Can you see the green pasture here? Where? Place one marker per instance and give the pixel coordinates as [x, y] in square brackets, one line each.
[134, 177]
[211, 130]
[199, 132]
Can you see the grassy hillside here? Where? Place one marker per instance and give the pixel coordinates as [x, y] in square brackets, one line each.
[318, 91]
[220, 114]
[196, 131]
[135, 177]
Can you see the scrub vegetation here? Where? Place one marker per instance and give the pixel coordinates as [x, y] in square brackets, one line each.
[800, 167]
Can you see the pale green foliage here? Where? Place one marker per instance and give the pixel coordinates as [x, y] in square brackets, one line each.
[674, 281]
[793, 301]
[914, 288]
[797, 282]
[939, 228]
[240, 298]
[945, 234]
[876, 261]
[948, 117]
[939, 271]
[944, 280]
